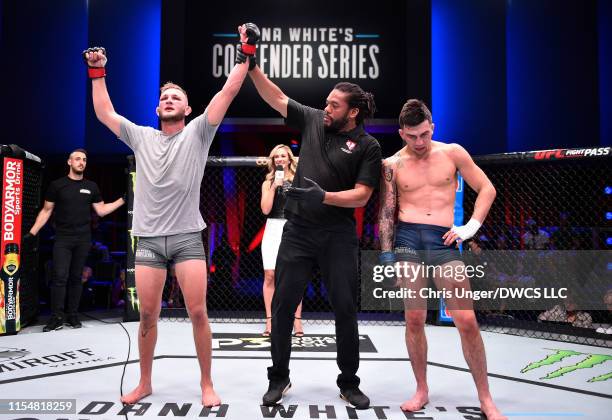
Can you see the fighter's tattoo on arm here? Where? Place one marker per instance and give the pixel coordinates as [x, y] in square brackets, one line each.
[388, 174]
[400, 164]
[386, 216]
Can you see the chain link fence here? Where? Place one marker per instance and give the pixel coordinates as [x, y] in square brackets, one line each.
[550, 204]
[230, 205]
[551, 200]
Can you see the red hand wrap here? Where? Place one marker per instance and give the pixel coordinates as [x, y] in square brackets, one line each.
[248, 49]
[96, 72]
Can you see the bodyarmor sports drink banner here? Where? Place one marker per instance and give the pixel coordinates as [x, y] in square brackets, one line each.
[12, 188]
[305, 48]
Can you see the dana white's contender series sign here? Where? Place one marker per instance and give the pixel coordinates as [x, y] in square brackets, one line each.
[311, 52]
[305, 48]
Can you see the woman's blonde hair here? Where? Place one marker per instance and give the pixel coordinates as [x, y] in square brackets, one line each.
[272, 168]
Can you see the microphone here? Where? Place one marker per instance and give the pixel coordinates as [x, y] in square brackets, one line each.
[279, 174]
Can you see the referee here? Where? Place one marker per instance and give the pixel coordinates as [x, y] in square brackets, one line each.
[340, 165]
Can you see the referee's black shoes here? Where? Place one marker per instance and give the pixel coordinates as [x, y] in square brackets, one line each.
[55, 323]
[73, 321]
[275, 392]
[355, 398]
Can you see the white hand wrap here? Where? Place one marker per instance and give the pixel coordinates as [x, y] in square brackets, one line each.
[468, 230]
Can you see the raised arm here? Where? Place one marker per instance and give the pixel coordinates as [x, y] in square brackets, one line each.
[269, 92]
[388, 204]
[220, 103]
[96, 60]
[218, 106]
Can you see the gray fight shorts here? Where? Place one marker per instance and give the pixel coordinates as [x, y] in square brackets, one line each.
[156, 251]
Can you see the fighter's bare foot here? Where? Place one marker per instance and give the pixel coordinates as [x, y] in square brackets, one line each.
[417, 402]
[137, 394]
[491, 412]
[210, 397]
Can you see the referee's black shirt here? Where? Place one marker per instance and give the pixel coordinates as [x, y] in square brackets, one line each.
[336, 161]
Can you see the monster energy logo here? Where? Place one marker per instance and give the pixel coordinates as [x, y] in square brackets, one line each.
[587, 362]
[133, 299]
[133, 239]
[133, 178]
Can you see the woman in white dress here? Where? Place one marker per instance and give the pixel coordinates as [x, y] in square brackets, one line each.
[272, 204]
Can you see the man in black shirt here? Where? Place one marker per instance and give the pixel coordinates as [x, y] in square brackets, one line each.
[70, 197]
[339, 167]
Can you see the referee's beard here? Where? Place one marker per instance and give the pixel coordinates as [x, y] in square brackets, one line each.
[336, 125]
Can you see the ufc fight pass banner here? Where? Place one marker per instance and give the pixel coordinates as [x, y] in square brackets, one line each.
[305, 48]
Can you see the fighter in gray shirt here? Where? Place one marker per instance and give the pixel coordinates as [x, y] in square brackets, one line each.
[169, 171]
[170, 165]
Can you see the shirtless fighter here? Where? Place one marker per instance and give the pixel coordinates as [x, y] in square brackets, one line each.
[421, 180]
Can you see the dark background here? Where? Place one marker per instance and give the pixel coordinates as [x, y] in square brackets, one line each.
[502, 75]
[499, 76]
[398, 27]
